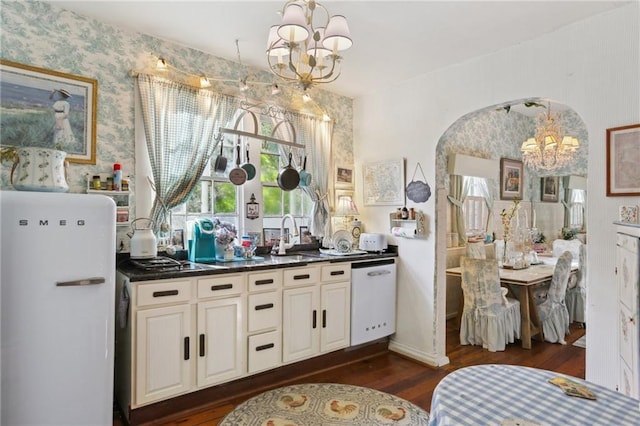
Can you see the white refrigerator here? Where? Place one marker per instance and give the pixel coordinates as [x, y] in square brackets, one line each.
[57, 292]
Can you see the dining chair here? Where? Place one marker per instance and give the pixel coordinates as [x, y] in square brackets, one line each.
[576, 297]
[489, 318]
[559, 246]
[476, 250]
[553, 313]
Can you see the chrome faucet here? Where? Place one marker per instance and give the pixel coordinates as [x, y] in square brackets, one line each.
[282, 249]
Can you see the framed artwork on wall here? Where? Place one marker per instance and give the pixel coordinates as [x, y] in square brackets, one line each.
[272, 236]
[511, 179]
[383, 183]
[48, 109]
[344, 176]
[549, 188]
[623, 157]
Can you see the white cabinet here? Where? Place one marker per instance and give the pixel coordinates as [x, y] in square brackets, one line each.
[264, 317]
[162, 341]
[316, 314]
[628, 283]
[180, 335]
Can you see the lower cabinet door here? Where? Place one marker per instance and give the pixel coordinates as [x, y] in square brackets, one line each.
[163, 353]
[300, 323]
[265, 351]
[220, 348]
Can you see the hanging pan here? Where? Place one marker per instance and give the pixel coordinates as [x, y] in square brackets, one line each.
[248, 167]
[238, 175]
[288, 178]
[305, 177]
[221, 162]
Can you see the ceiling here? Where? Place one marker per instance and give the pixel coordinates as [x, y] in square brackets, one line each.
[392, 40]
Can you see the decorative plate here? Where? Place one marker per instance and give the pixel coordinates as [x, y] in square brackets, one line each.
[342, 241]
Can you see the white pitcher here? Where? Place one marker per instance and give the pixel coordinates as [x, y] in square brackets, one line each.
[39, 169]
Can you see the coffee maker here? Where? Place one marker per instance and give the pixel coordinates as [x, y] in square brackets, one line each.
[202, 244]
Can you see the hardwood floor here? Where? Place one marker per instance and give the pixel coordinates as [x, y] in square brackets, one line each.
[415, 382]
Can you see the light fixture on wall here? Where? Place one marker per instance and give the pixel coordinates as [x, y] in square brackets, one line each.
[550, 149]
[304, 47]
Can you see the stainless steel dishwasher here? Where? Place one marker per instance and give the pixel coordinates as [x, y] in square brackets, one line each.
[373, 300]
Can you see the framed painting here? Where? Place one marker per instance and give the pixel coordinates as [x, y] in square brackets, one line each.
[549, 188]
[305, 235]
[256, 237]
[272, 236]
[344, 176]
[623, 157]
[48, 109]
[511, 179]
[383, 183]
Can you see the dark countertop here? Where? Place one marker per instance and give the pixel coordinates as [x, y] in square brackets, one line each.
[263, 262]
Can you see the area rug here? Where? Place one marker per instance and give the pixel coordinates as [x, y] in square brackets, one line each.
[581, 342]
[325, 404]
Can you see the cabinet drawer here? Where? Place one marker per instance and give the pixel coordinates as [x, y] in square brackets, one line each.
[219, 286]
[265, 351]
[264, 311]
[336, 272]
[301, 276]
[263, 281]
[163, 292]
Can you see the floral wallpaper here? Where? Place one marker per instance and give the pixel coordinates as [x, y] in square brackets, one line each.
[493, 133]
[47, 36]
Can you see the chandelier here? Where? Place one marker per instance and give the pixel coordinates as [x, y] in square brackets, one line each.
[304, 47]
[550, 149]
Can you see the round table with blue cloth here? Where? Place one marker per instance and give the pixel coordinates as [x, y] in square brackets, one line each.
[509, 395]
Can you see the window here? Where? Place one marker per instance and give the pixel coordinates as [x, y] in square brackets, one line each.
[475, 208]
[577, 203]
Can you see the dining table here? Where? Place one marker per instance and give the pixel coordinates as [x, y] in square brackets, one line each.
[498, 394]
[521, 282]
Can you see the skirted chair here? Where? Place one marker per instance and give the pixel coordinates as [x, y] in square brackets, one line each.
[552, 313]
[576, 297]
[476, 250]
[489, 318]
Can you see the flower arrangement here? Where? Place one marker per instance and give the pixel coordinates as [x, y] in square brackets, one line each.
[506, 223]
[226, 232]
[569, 233]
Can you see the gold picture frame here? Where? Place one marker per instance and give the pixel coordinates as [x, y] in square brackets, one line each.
[511, 179]
[623, 156]
[48, 109]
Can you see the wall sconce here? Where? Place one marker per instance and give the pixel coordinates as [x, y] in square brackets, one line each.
[161, 64]
[253, 208]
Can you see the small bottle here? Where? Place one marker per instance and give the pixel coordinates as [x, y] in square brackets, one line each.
[412, 213]
[405, 213]
[125, 184]
[96, 182]
[117, 177]
[399, 213]
[109, 183]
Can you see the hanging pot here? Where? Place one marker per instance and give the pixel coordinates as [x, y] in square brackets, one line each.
[305, 177]
[238, 175]
[288, 178]
[221, 162]
[248, 167]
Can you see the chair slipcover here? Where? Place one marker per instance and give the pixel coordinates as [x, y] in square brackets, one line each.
[572, 246]
[576, 298]
[488, 318]
[553, 313]
[476, 250]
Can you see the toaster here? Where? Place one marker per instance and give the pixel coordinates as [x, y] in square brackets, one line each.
[372, 242]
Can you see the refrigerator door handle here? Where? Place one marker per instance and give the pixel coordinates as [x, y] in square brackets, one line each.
[86, 281]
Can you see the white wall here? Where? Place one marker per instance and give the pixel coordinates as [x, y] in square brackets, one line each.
[591, 66]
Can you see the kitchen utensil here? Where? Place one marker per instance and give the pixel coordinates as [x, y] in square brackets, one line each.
[305, 177]
[238, 175]
[342, 241]
[143, 241]
[248, 167]
[288, 178]
[220, 164]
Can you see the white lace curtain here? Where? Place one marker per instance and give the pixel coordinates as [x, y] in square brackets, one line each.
[180, 124]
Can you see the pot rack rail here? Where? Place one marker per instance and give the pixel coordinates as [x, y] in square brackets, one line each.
[256, 135]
